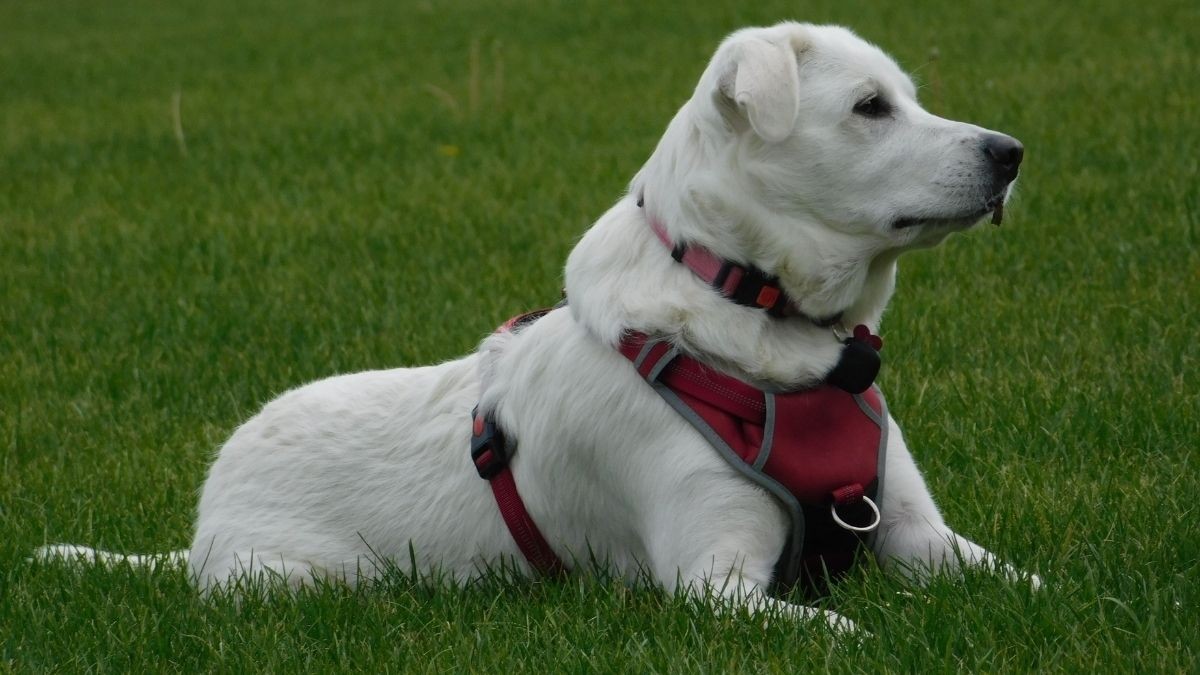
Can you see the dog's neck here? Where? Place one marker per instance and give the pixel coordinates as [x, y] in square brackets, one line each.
[620, 277]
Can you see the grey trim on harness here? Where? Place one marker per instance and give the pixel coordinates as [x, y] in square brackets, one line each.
[881, 454]
[665, 361]
[768, 434]
[637, 363]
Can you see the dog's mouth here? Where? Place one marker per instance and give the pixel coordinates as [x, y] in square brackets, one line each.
[993, 205]
[949, 223]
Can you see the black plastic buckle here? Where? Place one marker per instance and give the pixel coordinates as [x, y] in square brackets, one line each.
[678, 251]
[749, 291]
[488, 452]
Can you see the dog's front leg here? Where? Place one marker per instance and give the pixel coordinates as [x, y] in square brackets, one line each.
[912, 537]
[718, 543]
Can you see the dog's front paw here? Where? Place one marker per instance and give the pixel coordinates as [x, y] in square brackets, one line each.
[771, 609]
[1035, 582]
[1017, 576]
[837, 623]
[841, 625]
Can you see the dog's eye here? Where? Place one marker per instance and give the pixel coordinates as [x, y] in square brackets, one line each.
[872, 106]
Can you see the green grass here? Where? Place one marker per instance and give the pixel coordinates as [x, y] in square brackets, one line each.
[351, 193]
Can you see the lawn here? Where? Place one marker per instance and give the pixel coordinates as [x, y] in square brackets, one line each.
[205, 204]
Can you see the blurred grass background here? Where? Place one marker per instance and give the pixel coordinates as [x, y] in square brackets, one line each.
[204, 204]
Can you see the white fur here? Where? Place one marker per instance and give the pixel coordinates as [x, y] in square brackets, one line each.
[767, 164]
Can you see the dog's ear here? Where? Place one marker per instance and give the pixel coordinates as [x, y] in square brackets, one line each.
[761, 80]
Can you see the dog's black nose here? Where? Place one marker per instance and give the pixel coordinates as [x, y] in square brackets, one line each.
[1005, 153]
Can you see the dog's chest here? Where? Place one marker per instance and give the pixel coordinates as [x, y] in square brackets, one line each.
[819, 451]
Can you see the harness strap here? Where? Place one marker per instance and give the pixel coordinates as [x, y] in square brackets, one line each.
[490, 455]
[692, 377]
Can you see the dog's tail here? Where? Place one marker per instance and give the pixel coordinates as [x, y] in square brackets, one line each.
[72, 553]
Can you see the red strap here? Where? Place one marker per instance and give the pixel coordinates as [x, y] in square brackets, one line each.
[520, 320]
[848, 494]
[520, 524]
[699, 260]
[686, 374]
[491, 457]
[706, 264]
[745, 285]
[710, 267]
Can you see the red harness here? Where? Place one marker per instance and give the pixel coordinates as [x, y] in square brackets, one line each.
[819, 452]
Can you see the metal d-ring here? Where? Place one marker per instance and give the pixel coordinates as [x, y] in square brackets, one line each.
[854, 528]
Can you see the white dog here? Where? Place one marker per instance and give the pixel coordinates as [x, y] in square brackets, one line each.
[804, 153]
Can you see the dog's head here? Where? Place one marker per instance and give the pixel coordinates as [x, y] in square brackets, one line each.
[804, 151]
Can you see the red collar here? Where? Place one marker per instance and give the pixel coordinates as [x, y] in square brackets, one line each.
[744, 284]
